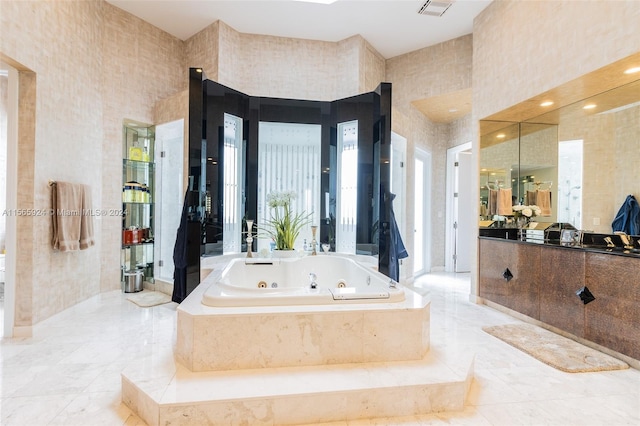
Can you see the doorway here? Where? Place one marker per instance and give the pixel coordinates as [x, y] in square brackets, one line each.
[459, 222]
[422, 213]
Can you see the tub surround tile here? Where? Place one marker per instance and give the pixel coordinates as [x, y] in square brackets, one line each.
[298, 335]
[330, 362]
[294, 395]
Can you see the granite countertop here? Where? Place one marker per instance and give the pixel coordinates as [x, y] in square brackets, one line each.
[595, 248]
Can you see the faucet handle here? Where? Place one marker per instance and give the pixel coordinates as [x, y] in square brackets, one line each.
[627, 241]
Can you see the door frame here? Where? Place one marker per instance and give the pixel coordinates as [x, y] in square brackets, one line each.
[11, 242]
[450, 235]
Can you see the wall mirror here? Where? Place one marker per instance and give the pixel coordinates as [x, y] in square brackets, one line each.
[587, 154]
[333, 155]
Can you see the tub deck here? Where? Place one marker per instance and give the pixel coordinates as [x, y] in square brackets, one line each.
[213, 338]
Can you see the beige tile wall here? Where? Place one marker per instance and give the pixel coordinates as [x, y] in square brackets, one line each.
[261, 65]
[93, 65]
[432, 71]
[202, 49]
[278, 67]
[516, 57]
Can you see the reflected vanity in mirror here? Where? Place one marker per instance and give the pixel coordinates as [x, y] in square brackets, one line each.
[334, 155]
[579, 161]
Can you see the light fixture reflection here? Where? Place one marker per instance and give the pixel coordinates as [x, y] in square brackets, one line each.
[589, 106]
[546, 103]
[632, 70]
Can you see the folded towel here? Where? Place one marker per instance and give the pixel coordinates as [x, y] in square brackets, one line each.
[86, 222]
[530, 198]
[543, 200]
[72, 219]
[492, 203]
[505, 202]
[67, 214]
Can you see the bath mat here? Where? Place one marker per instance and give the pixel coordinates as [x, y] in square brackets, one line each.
[555, 350]
[146, 299]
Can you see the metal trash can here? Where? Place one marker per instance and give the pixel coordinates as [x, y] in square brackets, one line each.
[133, 281]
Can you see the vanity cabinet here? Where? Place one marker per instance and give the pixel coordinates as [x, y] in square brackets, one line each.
[563, 275]
[613, 318]
[545, 282]
[509, 275]
[138, 173]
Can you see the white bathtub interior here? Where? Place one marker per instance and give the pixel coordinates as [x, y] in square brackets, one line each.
[264, 281]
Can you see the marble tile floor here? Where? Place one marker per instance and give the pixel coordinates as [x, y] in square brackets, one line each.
[68, 373]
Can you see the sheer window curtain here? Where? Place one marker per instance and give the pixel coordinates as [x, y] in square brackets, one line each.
[289, 160]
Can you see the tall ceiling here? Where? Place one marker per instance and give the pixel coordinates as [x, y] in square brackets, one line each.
[392, 27]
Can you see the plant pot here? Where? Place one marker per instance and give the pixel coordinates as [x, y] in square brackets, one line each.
[283, 254]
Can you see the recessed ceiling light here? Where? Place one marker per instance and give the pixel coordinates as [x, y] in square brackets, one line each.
[453, 110]
[546, 103]
[589, 106]
[501, 136]
[632, 70]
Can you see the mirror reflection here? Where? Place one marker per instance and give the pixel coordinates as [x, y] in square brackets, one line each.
[583, 160]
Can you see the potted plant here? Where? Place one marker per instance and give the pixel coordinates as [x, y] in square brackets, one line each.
[284, 225]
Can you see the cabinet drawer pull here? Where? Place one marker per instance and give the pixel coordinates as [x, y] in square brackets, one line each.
[585, 295]
[507, 275]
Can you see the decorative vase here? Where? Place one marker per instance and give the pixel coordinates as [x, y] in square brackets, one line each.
[523, 225]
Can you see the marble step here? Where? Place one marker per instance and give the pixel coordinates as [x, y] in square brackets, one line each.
[161, 391]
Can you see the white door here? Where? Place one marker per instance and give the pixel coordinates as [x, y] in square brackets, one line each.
[422, 216]
[464, 220]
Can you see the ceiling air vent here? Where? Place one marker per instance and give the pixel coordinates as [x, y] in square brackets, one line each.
[434, 8]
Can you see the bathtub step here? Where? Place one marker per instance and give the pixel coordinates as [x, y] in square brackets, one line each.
[163, 392]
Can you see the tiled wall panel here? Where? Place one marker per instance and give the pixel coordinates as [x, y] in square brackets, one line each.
[93, 66]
